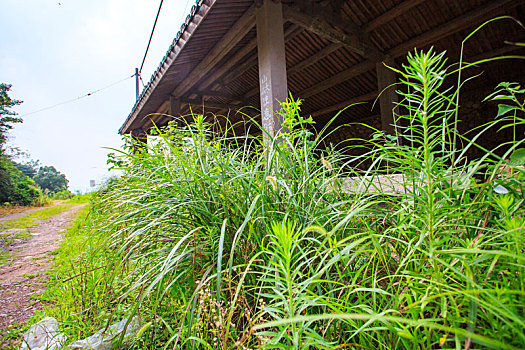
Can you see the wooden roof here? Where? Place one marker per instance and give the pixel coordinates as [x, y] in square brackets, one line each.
[213, 59]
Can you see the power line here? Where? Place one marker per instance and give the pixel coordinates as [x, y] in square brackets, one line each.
[151, 36]
[80, 97]
[184, 12]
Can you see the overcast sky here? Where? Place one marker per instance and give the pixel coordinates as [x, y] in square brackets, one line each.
[53, 51]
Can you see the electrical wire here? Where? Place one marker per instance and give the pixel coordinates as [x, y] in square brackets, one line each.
[80, 97]
[151, 36]
[184, 12]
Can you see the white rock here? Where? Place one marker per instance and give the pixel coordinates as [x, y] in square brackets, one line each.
[500, 189]
[44, 335]
[105, 340]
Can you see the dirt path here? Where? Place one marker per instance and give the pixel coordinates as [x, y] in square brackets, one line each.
[25, 275]
[24, 213]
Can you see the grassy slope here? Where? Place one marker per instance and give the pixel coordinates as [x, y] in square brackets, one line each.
[220, 242]
[17, 330]
[34, 218]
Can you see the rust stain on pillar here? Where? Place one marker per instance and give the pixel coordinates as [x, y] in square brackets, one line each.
[272, 64]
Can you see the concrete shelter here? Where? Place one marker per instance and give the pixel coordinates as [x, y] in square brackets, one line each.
[330, 53]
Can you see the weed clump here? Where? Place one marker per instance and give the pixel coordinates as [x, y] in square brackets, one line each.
[223, 241]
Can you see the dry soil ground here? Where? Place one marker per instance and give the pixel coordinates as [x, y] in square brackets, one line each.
[23, 277]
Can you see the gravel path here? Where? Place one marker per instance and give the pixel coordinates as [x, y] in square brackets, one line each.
[25, 275]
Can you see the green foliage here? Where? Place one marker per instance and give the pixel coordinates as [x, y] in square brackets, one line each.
[221, 241]
[52, 182]
[15, 187]
[50, 179]
[24, 223]
[7, 117]
[61, 195]
[29, 169]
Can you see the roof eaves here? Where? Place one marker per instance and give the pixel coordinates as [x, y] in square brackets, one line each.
[198, 12]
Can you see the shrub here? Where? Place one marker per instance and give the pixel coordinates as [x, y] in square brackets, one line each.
[15, 187]
[225, 241]
[64, 194]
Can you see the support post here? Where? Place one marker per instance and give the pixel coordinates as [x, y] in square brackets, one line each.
[174, 110]
[388, 99]
[272, 64]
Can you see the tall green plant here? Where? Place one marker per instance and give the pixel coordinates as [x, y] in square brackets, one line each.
[221, 241]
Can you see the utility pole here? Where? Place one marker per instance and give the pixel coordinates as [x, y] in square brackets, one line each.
[136, 84]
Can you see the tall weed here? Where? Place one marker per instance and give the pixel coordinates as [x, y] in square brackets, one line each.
[222, 241]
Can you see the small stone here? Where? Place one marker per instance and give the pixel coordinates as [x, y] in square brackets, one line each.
[105, 340]
[44, 335]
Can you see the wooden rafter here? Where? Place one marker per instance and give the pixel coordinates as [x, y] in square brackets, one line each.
[223, 47]
[326, 84]
[451, 27]
[385, 18]
[210, 93]
[238, 57]
[363, 98]
[327, 50]
[494, 53]
[339, 78]
[394, 12]
[462, 22]
[328, 26]
[210, 104]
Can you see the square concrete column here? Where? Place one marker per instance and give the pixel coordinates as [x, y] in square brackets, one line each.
[272, 64]
[388, 99]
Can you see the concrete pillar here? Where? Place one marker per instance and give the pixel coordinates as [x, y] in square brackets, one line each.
[272, 64]
[388, 99]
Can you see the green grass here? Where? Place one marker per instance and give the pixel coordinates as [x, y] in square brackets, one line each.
[81, 314]
[5, 256]
[79, 199]
[34, 218]
[223, 241]
[10, 339]
[24, 223]
[71, 246]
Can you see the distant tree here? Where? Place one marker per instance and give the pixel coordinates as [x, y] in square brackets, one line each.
[7, 117]
[29, 169]
[15, 187]
[51, 179]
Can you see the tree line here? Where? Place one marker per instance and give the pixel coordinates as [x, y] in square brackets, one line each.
[23, 183]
